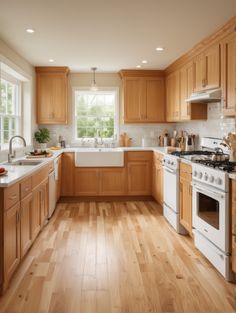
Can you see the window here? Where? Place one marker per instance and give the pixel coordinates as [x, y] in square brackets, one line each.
[9, 109]
[96, 113]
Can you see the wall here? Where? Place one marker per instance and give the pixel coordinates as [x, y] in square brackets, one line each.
[24, 68]
[135, 131]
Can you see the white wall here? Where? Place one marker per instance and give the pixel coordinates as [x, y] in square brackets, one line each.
[19, 64]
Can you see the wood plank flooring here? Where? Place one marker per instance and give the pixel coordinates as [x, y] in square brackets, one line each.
[117, 257]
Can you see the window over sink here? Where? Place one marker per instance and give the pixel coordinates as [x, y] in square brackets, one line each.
[96, 113]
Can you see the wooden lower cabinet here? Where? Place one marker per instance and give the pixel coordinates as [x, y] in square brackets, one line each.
[86, 181]
[25, 224]
[112, 182]
[44, 201]
[139, 178]
[59, 180]
[11, 245]
[185, 197]
[36, 213]
[99, 181]
[68, 173]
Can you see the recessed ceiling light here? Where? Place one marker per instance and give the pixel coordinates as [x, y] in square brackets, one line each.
[144, 61]
[30, 30]
[159, 49]
[51, 60]
[138, 66]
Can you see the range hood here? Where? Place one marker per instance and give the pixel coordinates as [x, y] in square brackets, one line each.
[205, 96]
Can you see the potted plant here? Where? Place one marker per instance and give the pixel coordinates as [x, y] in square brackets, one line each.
[42, 137]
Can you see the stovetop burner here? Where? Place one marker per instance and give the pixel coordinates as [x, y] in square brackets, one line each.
[226, 165]
[196, 152]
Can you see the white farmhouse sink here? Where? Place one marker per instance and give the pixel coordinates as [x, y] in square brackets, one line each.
[102, 157]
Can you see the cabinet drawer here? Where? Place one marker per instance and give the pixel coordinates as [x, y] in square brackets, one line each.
[39, 177]
[25, 187]
[139, 156]
[11, 196]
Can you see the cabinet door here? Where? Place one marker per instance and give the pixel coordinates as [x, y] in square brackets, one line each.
[139, 178]
[213, 67]
[172, 97]
[44, 202]
[155, 100]
[86, 181]
[200, 72]
[11, 240]
[132, 99]
[52, 95]
[230, 74]
[58, 188]
[186, 204]
[36, 213]
[154, 182]
[186, 89]
[112, 181]
[68, 170]
[159, 180]
[25, 224]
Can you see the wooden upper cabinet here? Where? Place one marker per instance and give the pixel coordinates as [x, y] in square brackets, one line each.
[132, 99]
[207, 69]
[172, 97]
[155, 99]
[52, 93]
[189, 111]
[229, 75]
[143, 96]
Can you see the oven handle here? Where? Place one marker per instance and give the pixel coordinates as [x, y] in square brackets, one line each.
[204, 191]
[169, 170]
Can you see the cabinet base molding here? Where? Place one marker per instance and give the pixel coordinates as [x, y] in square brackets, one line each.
[104, 199]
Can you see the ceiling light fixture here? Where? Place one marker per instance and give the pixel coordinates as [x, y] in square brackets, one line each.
[94, 86]
[51, 60]
[144, 61]
[30, 30]
[138, 66]
[159, 49]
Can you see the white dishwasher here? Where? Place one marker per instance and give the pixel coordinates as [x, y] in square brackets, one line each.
[53, 177]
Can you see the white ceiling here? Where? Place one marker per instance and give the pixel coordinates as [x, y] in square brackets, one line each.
[109, 34]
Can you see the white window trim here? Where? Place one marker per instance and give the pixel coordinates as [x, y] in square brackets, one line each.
[18, 115]
[117, 111]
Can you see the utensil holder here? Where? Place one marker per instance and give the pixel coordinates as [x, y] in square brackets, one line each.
[232, 156]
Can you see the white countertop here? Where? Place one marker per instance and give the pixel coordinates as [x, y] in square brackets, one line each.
[17, 173]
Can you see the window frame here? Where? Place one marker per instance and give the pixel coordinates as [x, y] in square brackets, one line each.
[116, 117]
[18, 116]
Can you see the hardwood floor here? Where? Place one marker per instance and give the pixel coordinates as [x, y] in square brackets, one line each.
[115, 257]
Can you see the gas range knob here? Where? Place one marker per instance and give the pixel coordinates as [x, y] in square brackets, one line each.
[211, 179]
[205, 176]
[168, 162]
[195, 173]
[200, 175]
[172, 163]
[218, 181]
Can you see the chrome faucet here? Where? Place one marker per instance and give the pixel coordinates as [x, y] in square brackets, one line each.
[10, 154]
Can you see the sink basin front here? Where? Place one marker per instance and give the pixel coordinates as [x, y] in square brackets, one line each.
[99, 158]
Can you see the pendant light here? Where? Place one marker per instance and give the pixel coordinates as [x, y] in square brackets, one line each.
[94, 86]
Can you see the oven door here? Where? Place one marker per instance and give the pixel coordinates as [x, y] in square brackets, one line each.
[171, 189]
[211, 215]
